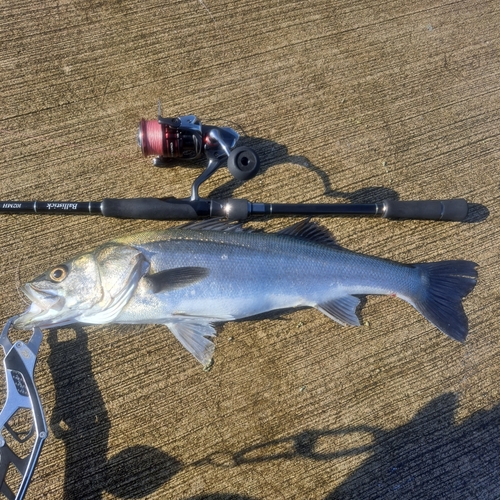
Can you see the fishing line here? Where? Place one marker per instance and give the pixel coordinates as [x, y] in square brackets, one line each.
[208, 10]
[150, 137]
[218, 29]
[18, 282]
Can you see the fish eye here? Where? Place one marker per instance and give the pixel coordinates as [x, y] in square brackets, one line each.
[58, 274]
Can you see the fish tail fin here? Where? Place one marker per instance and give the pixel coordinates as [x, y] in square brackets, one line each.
[439, 299]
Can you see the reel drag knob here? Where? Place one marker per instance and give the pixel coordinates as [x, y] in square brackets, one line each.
[243, 163]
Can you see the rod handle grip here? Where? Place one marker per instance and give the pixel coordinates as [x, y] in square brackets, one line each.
[449, 210]
[154, 208]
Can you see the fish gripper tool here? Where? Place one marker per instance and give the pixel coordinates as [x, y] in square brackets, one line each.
[22, 421]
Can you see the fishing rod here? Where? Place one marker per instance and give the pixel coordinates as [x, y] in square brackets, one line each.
[239, 209]
[186, 138]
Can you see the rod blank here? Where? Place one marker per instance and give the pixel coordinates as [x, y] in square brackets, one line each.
[50, 207]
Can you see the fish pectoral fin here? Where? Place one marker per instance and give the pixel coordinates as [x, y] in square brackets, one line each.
[192, 336]
[342, 310]
[173, 279]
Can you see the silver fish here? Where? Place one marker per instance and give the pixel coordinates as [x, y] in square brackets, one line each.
[191, 277]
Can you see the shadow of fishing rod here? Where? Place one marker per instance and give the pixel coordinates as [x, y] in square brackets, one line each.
[430, 456]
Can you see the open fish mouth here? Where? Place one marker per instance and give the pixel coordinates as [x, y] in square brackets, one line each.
[43, 310]
[42, 298]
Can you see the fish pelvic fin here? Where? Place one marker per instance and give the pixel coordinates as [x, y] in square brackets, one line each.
[439, 299]
[342, 310]
[192, 335]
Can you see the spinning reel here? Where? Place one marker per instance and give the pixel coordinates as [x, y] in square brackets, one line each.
[186, 138]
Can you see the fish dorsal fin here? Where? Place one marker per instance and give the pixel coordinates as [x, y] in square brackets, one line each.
[310, 231]
[191, 334]
[216, 225]
[173, 279]
[342, 310]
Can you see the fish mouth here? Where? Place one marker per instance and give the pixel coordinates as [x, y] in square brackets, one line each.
[44, 308]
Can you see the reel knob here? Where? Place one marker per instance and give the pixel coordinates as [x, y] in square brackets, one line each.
[243, 163]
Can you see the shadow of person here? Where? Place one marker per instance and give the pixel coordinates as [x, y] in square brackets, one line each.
[138, 471]
[81, 421]
[431, 457]
[79, 416]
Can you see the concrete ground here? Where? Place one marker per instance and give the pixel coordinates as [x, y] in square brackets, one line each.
[345, 102]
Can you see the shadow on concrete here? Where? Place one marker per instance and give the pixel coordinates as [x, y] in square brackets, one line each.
[429, 457]
[273, 154]
[220, 496]
[80, 420]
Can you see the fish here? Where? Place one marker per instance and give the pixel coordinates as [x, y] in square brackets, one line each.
[193, 277]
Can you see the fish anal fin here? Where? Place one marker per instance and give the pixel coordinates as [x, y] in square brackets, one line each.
[173, 279]
[192, 336]
[342, 310]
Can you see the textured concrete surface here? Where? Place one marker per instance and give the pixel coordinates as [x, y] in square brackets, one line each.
[345, 101]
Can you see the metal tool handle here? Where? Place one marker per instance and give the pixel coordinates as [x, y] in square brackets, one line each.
[19, 366]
